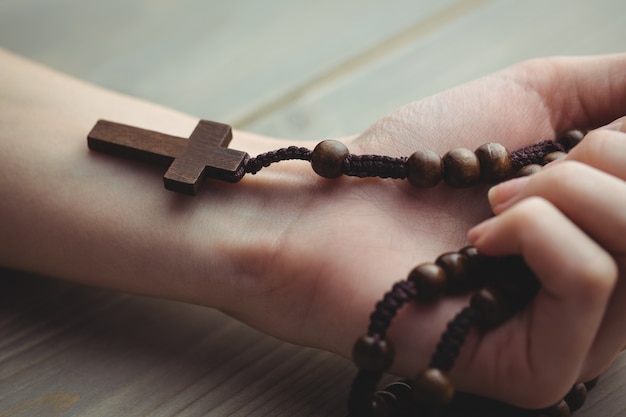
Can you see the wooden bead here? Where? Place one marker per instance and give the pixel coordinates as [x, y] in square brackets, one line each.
[591, 384]
[430, 281]
[493, 306]
[401, 390]
[528, 170]
[327, 158]
[455, 265]
[513, 281]
[425, 169]
[372, 353]
[496, 164]
[577, 396]
[571, 138]
[461, 168]
[561, 409]
[383, 405]
[553, 156]
[477, 263]
[394, 398]
[433, 386]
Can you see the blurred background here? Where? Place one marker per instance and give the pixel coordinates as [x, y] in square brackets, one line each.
[300, 69]
[294, 69]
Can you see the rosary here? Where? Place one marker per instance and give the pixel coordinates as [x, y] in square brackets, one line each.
[501, 286]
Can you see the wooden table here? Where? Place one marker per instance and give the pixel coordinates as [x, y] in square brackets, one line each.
[283, 68]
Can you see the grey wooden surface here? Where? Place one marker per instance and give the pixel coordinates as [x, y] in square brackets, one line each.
[293, 69]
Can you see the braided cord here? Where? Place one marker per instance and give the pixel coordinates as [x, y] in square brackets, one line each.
[453, 338]
[381, 166]
[254, 165]
[386, 309]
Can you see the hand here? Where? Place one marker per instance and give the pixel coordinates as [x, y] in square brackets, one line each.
[304, 258]
[347, 241]
[567, 221]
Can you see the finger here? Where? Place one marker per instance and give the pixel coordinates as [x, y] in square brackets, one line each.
[577, 277]
[608, 342]
[593, 199]
[579, 91]
[604, 149]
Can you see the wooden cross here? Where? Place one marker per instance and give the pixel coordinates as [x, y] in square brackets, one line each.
[191, 161]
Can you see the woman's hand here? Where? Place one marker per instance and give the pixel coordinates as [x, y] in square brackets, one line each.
[306, 259]
[568, 222]
[351, 239]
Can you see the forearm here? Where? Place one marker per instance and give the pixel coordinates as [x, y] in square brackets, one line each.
[99, 220]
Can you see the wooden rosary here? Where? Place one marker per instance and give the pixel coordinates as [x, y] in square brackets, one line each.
[502, 286]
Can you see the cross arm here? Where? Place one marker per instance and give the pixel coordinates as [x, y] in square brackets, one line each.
[135, 143]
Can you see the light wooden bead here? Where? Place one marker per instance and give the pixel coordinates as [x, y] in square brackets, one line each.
[430, 281]
[553, 156]
[425, 169]
[373, 354]
[433, 386]
[461, 168]
[528, 170]
[327, 158]
[496, 164]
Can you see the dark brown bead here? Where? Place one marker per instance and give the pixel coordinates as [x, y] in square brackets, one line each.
[561, 409]
[327, 158]
[371, 353]
[496, 164]
[400, 390]
[397, 397]
[433, 386]
[477, 273]
[577, 396]
[455, 265]
[553, 156]
[493, 306]
[383, 405]
[461, 168]
[591, 384]
[425, 169]
[430, 282]
[571, 138]
[528, 170]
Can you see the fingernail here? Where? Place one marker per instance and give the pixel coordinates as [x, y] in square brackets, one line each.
[500, 194]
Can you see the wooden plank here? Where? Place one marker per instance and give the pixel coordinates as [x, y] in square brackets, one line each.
[112, 354]
[489, 38]
[104, 353]
[218, 60]
[309, 69]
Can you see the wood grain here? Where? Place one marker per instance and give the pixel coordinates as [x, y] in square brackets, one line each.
[189, 161]
[284, 68]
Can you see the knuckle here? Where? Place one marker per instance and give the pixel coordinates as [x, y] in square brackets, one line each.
[531, 208]
[599, 272]
[559, 179]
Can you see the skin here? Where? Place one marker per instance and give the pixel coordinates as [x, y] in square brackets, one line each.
[305, 259]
